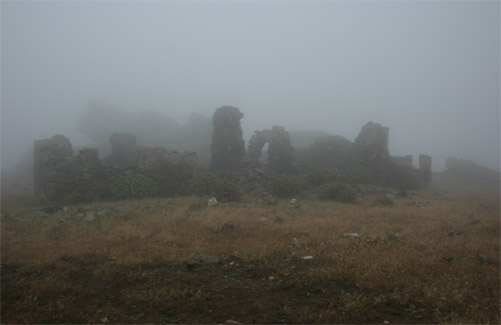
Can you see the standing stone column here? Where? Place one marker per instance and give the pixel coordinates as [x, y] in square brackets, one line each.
[228, 146]
[425, 167]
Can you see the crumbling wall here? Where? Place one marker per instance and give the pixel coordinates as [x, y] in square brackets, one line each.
[84, 177]
[48, 154]
[168, 168]
[371, 144]
[425, 167]
[256, 143]
[228, 146]
[331, 151]
[123, 150]
[280, 152]
[81, 178]
[404, 161]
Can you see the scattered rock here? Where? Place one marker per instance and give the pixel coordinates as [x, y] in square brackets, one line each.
[392, 237]
[228, 226]
[452, 233]
[102, 213]
[202, 259]
[448, 259]
[51, 209]
[212, 202]
[90, 216]
[270, 199]
[351, 235]
[293, 204]
[484, 259]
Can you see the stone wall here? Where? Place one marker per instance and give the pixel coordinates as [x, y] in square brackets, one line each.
[47, 155]
[60, 176]
[425, 167]
[280, 152]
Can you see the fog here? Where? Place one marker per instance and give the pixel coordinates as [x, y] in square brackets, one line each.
[430, 71]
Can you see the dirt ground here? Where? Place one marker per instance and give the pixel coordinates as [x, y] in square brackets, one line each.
[131, 267]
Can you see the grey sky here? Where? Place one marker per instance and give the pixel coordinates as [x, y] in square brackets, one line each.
[428, 70]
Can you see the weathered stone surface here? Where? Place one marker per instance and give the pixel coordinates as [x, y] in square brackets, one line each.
[371, 144]
[48, 154]
[202, 259]
[330, 151]
[425, 167]
[82, 178]
[256, 143]
[124, 153]
[168, 168]
[404, 161]
[280, 152]
[228, 146]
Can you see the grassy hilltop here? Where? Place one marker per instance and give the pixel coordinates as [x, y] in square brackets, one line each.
[430, 257]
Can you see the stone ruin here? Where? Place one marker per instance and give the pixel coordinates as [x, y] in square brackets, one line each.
[330, 151]
[403, 161]
[371, 145]
[61, 176]
[48, 154]
[280, 152]
[369, 152]
[228, 146]
[425, 167]
[123, 150]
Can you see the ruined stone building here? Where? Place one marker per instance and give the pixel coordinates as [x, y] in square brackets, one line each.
[280, 155]
[61, 176]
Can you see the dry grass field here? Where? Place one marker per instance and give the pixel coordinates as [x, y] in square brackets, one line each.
[128, 265]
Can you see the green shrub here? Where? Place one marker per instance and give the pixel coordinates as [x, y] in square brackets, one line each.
[134, 186]
[285, 185]
[337, 192]
[357, 175]
[320, 175]
[208, 184]
[225, 191]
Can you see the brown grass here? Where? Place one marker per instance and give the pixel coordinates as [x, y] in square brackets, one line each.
[129, 267]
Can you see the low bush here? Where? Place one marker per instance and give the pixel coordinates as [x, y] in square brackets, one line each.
[134, 186]
[209, 184]
[283, 185]
[320, 175]
[337, 192]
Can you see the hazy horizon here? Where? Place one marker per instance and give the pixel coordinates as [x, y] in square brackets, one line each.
[430, 71]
